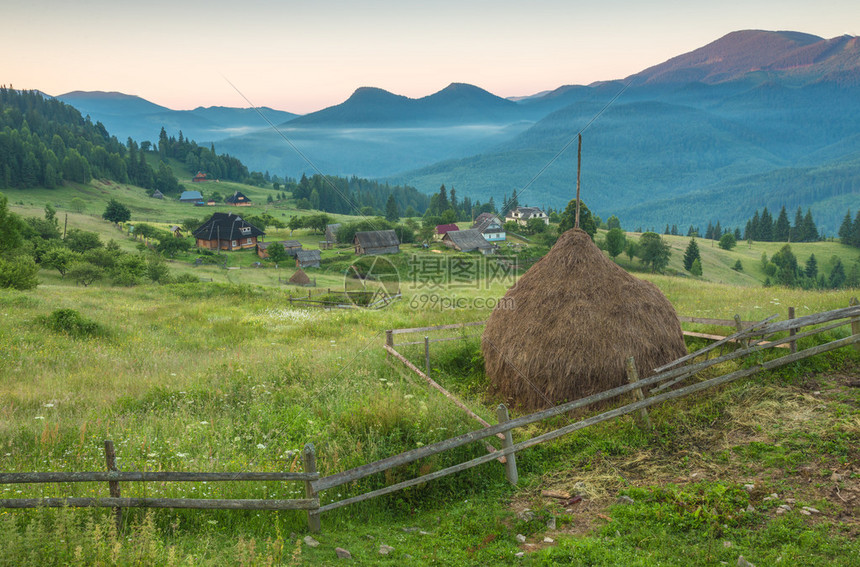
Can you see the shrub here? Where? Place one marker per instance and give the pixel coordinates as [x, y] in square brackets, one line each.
[18, 273]
[71, 322]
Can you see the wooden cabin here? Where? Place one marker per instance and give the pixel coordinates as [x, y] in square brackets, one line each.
[227, 231]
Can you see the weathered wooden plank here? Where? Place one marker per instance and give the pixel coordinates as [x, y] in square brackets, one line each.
[510, 460]
[436, 386]
[855, 321]
[633, 378]
[717, 322]
[466, 438]
[113, 486]
[813, 319]
[612, 414]
[165, 476]
[437, 327]
[680, 374]
[188, 503]
[712, 346]
[309, 460]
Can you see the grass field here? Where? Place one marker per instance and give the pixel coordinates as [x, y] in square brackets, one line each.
[225, 375]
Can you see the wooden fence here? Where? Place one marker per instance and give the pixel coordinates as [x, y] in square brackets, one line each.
[751, 338]
[113, 477]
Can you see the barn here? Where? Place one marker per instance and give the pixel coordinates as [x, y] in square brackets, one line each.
[308, 259]
[376, 242]
[467, 241]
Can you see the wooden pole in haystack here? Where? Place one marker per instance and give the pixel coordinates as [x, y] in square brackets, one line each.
[578, 170]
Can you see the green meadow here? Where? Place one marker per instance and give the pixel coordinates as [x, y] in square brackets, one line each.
[226, 375]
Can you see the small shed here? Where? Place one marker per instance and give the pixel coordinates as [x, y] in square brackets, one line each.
[467, 241]
[308, 259]
[157, 195]
[238, 199]
[331, 232]
[290, 247]
[199, 177]
[376, 242]
[176, 230]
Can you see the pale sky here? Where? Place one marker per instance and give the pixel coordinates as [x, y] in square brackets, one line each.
[304, 56]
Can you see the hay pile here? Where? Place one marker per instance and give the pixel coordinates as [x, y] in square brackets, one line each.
[300, 278]
[566, 329]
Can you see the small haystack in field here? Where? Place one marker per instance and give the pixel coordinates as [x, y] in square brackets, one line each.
[567, 328]
[300, 278]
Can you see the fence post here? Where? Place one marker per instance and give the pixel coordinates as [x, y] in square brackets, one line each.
[791, 332]
[389, 340]
[855, 322]
[426, 355]
[309, 458]
[113, 486]
[633, 377]
[740, 327]
[510, 459]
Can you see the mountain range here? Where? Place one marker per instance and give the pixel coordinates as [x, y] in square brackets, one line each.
[753, 119]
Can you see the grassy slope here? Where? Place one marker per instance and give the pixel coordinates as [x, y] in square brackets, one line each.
[201, 377]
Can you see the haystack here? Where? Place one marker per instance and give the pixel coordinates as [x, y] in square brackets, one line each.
[300, 278]
[566, 329]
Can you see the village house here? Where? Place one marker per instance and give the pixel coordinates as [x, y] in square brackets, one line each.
[157, 195]
[191, 197]
[376, 242]
[468, 241]
[490, 227]
[227, 231]
[291, 247]
[238, 199]
[199, 177]
[522, 215]
[308, 259]
[443, 229]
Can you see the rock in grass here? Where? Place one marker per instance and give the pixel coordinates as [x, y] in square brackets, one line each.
[624, 499]
[342, 553]
[311, 542]
[743, 562]
[521, 538]
[385, 549]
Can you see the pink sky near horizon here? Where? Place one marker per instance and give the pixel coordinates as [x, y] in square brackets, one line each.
[300, 57]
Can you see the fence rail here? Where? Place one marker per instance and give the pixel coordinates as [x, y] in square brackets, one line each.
[113, 477]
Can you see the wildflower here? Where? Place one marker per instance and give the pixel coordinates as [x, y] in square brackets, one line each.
[48, 405]
[204, 423]
[40, 417]
[260, 446]
[181, 455]
[408, 396]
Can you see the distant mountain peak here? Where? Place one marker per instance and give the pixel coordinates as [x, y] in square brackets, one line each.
[800, 55]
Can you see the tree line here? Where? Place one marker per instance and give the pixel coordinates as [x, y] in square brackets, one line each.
[45, 142]
[849, 231]
[30, 243]
[354, 195]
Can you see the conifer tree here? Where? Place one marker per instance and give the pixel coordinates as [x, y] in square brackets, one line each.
[782, 228]
[691, 254]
